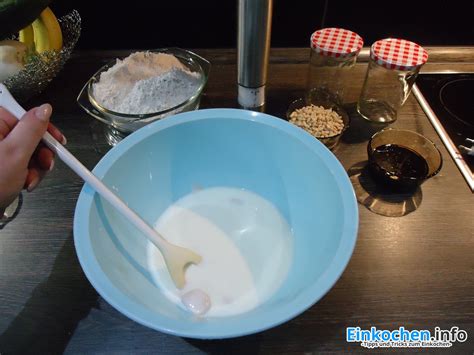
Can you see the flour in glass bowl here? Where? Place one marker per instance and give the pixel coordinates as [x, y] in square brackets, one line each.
[145, 82]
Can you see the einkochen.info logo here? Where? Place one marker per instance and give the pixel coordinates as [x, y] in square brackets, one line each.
[403, 338]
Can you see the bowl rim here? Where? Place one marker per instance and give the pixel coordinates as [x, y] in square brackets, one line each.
[179, 53]
[228, 327]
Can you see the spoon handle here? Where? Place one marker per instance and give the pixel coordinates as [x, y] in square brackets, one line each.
[71, 161]
[7, 101]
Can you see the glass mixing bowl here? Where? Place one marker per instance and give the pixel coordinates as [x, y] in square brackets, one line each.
[124, 124]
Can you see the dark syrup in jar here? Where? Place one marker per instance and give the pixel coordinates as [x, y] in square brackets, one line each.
[400, 163]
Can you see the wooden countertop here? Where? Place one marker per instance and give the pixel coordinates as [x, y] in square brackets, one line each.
[416, 271]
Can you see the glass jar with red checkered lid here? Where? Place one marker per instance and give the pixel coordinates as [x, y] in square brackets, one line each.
[393, 67]
[333, 55]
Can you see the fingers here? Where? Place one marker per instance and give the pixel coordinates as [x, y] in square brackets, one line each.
[56, 133]
[34, 177]
[4, 129]
[7, 122]
[20, 142]
[6, 116]
[41, 162]
[44, 158]
[27, 133]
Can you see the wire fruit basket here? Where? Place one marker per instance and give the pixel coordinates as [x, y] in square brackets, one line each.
[42, 68]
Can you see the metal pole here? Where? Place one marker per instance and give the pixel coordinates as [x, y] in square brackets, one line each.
[253, 47]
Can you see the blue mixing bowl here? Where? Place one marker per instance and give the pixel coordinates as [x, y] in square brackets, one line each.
[162, 162]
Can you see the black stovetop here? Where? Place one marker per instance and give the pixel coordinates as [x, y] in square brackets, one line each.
[451, 97]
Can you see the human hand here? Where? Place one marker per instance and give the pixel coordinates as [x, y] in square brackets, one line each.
[23, 159]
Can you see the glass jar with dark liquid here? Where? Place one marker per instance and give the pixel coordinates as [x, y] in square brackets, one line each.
[402, 159]
[396, 164]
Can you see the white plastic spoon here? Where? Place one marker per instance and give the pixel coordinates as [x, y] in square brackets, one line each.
[176, 258]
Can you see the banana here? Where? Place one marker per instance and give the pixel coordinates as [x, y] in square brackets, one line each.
[54, 30]
[41, 37]
[28, 38]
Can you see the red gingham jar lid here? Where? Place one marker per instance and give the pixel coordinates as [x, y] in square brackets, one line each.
[399, 54]
[336, 42]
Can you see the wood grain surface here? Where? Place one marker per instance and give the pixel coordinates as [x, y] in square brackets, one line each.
[416, 271]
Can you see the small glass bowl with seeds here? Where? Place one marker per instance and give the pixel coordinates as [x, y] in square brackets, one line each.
[325, 121]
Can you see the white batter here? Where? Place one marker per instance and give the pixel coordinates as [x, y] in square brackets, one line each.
[245, 244]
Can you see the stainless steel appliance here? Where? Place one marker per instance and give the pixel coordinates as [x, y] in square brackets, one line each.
[448, 100]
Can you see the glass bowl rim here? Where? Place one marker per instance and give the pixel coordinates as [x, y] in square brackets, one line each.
[370, 149]
[130, 117]
[346, 122]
